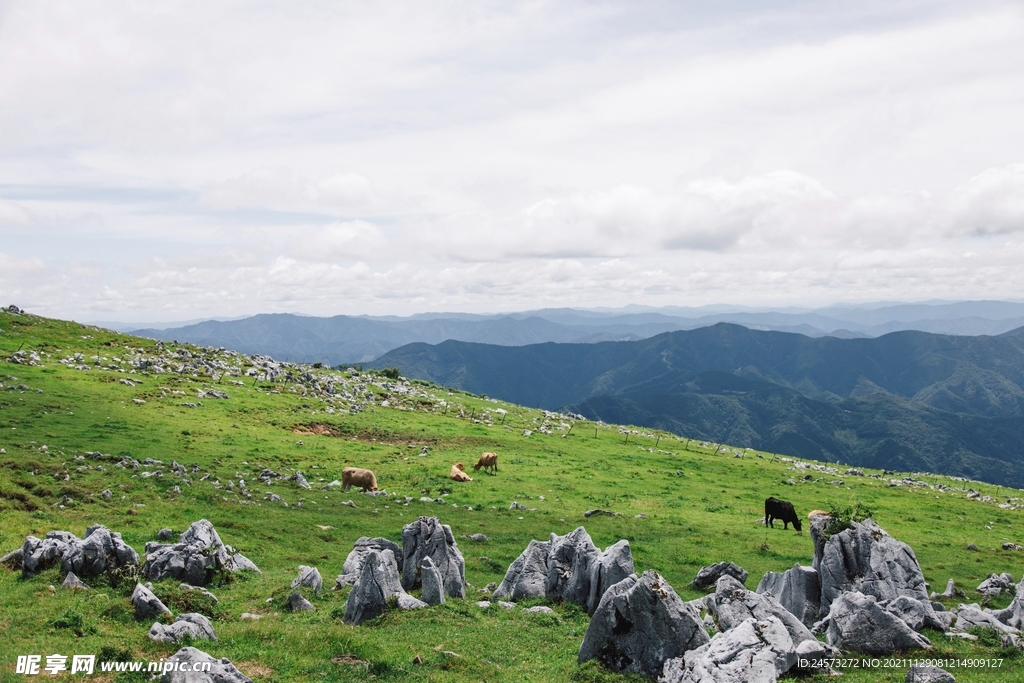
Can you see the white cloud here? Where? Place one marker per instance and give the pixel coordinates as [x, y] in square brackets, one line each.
[12, 213]
[991, 203]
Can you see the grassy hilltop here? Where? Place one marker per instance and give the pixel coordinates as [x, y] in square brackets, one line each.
[702, 503]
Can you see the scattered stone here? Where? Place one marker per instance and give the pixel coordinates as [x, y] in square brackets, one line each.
[971, 546]
[433, 587]
[478, 538]
[1011, 546]
[755, 651]
[506, 605]
[407, 602]
[591, 513]
[427, 537]
[708, 576]
[797, 589]
[196, 626]
[187, 666]
[297, 603]
[197, 589]
[996, 584]
[248, 616]
[309, 577]
[973, 616]
[857, 622]
[74, 583]
[147, 605]
[164, 534]
[539, 609]
[639, 624]
[483, 604]
[299, 479]
[107, 494]
[926, 673]
[948, 593]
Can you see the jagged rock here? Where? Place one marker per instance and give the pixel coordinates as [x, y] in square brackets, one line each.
[297, 603]
[164, 534]
[865, 559]
[299, 479]
[926, 673]
[708, 576]
[309, 577]
[194, 625]
[42, 553]
[734, 604]
[639, 624]
[571, 561]
[433, 589]
[196, 558]
[74, 583]
[914, 613]
[147, 605]
[1013, 615]
[612, 566]
[99, 551]
[407, 602]
[797, 589]
[996, 584]
[973, 616]
[948, 593]
[478, 538]
[354, 562]
[427, 537]
[857, 622]
[185, 661]
[755, 651]
[377, 582]
[197, 589]
[527, 575]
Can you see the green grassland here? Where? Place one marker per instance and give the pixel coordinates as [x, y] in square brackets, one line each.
[702, 503]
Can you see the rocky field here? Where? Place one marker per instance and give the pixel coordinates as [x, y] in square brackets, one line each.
[157, 497]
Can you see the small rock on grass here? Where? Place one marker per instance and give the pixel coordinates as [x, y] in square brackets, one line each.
[297, 603]
[925, 673]
[539, 609]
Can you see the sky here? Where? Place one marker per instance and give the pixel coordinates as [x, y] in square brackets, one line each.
[172, 161]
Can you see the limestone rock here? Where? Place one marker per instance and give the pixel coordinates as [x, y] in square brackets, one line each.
[527, 575]
[427, 537]
[708, 576]
[433, 589]
[538, 609]
[377, 582]
[996, 584]
[13, 558]
[754, 651]
[571, 561]
[194, 625]
[639, 624]
[297, 603]
[971, 616]
[407, 602]
[99, 551]
[797, 589]
[221, 670]
[309, 577]
[734, 605]
[197, 589]
[74, 583]
[164, 534]
[612, 566]
[147, 605]
[865, 559]
[926, 673]
[196, 558]
[857, 622]
[914, 613]
[354, 562]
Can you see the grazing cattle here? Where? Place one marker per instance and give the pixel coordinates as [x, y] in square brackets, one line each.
[780, 509]
[357, 476]
[817, 513]
[458, 473]
[487, 461]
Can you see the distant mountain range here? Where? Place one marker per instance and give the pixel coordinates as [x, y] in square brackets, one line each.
[359, 339]
[911, 401]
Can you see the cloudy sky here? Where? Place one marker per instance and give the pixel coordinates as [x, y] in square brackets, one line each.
[168, 161]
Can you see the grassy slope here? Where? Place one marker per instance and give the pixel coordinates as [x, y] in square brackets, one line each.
[702, 507]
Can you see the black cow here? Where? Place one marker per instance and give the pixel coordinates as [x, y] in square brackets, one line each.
[780, 509]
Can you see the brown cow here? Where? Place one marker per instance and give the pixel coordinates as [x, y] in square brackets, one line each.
[816, 513]
[458, 473]
[487, 461]
[357, 476]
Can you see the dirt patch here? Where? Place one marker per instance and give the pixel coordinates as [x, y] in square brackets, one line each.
[388, 438]
[255, 670]
[351, 660]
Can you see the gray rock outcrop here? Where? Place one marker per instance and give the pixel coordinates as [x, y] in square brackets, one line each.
[914, 613]
[433, 588]
[527, 575]
[101, 550]
[147, 605]
[297, 603]
[755, 651]
[708, 576]
[734, 605]
[354, 562]
[197, 557]
[407, 602]
[996, 584]
[640, 624]
[973, 616]
[797, 589]
[309, 577]
[196, 626]
[377, 582]
[926, 673]
[221, 670]
[857, 622]
[427, 537]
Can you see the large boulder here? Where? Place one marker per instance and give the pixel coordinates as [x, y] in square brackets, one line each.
[734, 605]
[755, 651]
[865, 559]
[797, 589]
[708, 576]
[639, 624]
[38, 554]
[309, 577]
[857, 622]
[354, 562]
[187, 666]
[196, 626]
[147, 605]
[377, 582]
[433, 587]
[427, 537]
[196, 558]
[101, 550]
[569, 568]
